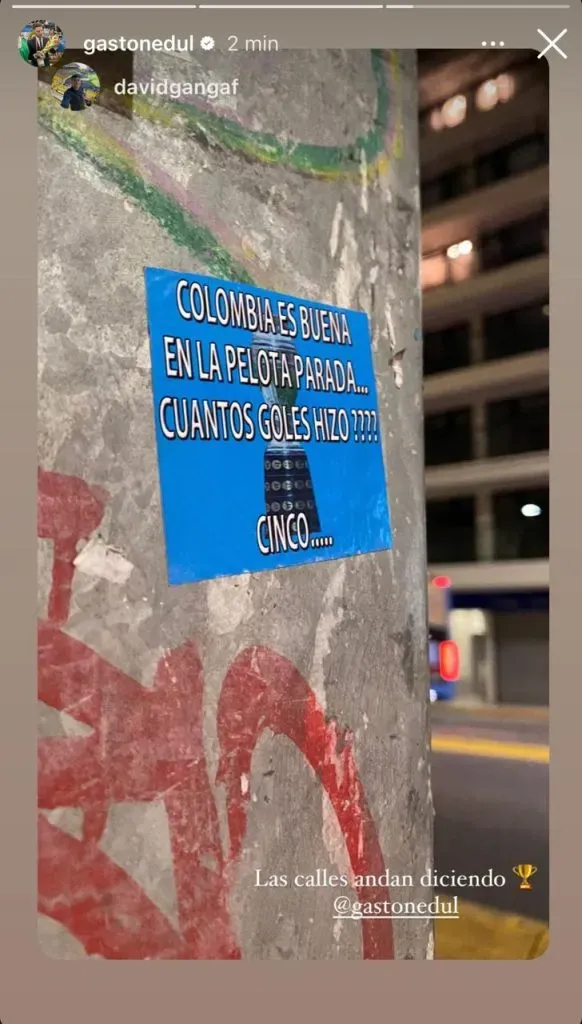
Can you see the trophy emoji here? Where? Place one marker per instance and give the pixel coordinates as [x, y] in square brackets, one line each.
[288, 483]
[525, 872]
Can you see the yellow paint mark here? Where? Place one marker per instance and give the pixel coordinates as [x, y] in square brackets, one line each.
[449, 744]
[482, 933]
[494, 711]
[166, 116]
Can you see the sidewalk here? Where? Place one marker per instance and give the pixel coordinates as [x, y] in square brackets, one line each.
[468, 708]
[486, 934]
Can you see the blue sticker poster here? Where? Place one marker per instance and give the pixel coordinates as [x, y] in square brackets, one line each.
[267, 428]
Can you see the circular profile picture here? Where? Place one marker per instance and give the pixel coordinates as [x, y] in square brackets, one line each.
[76, 86]
[41, 44]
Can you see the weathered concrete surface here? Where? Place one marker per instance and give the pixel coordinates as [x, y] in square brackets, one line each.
[338, 223]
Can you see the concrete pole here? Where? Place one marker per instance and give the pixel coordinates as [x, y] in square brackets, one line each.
[275, 723]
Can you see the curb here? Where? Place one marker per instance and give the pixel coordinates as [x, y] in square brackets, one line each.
[443, 743]
[510, 711]
[483, 933]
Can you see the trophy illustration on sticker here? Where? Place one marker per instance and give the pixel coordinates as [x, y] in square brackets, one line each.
[288, 483]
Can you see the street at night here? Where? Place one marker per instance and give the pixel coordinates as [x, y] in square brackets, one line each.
[490, 787]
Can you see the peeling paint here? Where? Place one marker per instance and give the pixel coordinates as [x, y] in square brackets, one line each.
[398, 368]
[335, 229]
[349, 275]
[390, 328]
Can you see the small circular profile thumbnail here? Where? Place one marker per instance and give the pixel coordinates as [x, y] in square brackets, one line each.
[41, 44]
[76, 86]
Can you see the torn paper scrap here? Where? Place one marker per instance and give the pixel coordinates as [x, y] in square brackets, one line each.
[99, 559]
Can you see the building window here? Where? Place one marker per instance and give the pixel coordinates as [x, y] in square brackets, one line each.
[518, 241]
[522, 528]
[447, 349]
[518, 158]
[450, 531]
[443, 188]
[518, 425]
[518, 330]
[448, 437]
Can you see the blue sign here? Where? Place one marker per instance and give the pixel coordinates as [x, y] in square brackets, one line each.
[267, 428]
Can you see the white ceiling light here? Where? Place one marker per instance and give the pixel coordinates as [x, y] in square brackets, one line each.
[531, 511]
[494, 91]
[505, 87]
[454, 111]
[487, 95]
[463, 248]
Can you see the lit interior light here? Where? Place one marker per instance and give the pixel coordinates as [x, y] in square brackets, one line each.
[494, 91]
[454, 111]
[449, 661]
[531, 511]
[463, 248]
[487, 95]
[441, 582]
[546, 310]
[505, 87]
[436, 120]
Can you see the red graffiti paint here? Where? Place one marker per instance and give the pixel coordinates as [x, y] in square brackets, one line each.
[261, 691]
[68, 511]
[148, 745]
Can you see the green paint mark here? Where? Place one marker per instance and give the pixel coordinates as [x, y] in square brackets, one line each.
[121, 170]
[305, 158]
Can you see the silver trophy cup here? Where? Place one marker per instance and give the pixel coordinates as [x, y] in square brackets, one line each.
[288, 482]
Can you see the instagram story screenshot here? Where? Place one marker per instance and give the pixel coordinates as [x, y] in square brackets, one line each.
[279, 286]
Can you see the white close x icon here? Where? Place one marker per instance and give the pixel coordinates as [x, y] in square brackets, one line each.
[552, 44]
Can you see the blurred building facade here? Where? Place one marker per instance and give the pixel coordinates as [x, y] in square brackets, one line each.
[484, 152]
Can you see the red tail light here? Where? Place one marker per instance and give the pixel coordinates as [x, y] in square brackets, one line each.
[449, 661]
[442, 582]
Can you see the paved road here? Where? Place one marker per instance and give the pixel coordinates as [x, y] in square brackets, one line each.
[492, 812]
